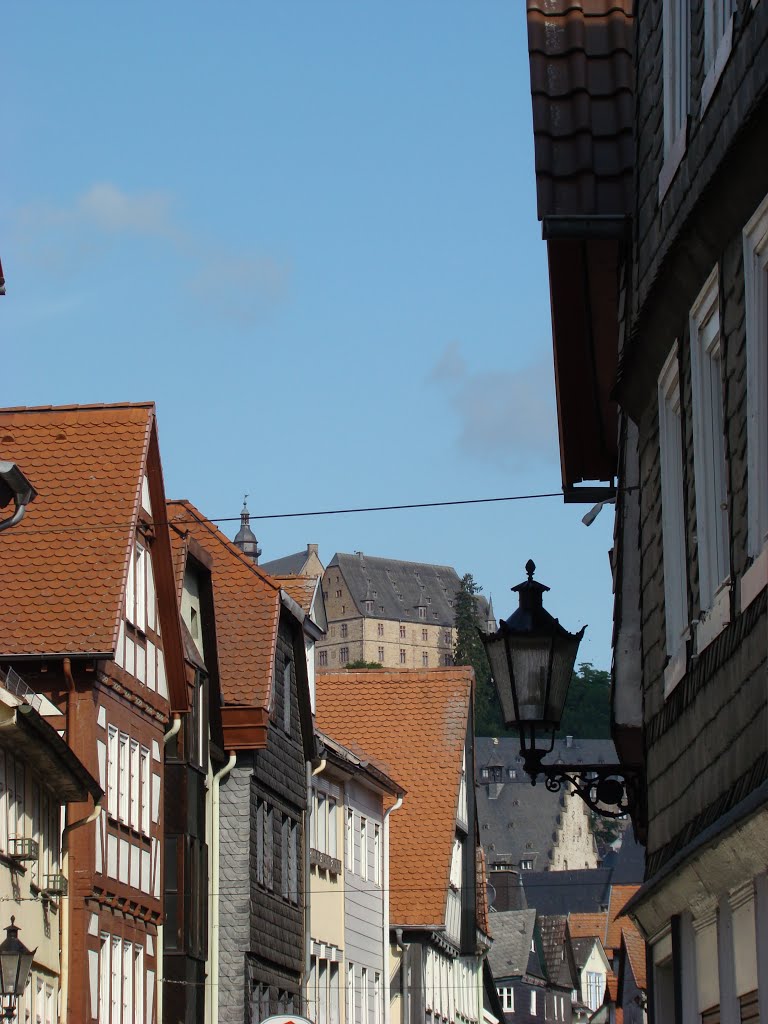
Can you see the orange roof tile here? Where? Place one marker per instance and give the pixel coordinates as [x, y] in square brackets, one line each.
[63, 567]
[416, 722]
[620, 896]
[247, 603]
[300, 588]
[584, 926]
[612, 986]
[636, 954]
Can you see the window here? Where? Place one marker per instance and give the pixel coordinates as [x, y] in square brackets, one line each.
[350, 839]
[338, 593]
[422, 611]
[344, 655]
[533, 1003]
[507, 996]
[322, 657]
[287, 697]
[123, 777]
[323, 838]
[350, 993]
[376, 998]
[447, 637]
[447, 659]
[676, 77]
[424, 635]
[380, 629]
[285, 835]
[363, 848]
[364, 995]
[377, 853]
[402, 655]
[425, 659]
[710, 468]
[323, 990]
[369, 606]
[595, 989]
[717, 17]
[756, 289]
[526, 864]
[381, 654]
[402, 632]
[112, 771]
[673, 517]
[485, 774]
[264, 844]
[344, 629]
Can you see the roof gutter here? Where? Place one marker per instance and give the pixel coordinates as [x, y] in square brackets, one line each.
[385, 936]
[590, 226]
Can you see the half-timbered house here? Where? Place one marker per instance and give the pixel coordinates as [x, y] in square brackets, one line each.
[93, 625]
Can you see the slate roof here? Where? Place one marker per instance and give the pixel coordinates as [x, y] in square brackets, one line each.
[554, 940]
[397, 588]
[519, 823]
[506, 750]
[64, 566]
[414, 723]
[582, 949]
[288, 565]
[567, 892]
[582, 85]
[247, 603]
[513, 932]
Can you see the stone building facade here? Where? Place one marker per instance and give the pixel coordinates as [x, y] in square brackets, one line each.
[394, 613]
[681, 341]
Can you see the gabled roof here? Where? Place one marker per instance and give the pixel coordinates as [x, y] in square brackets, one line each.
[634, 947]
[513, 933]
[620, 896]
[398, 588]
[247, 611]
[555, 940]
[359, 762]
[301, 588]
[414, 722]
[586, 925]
[64, 567]
[567, 892]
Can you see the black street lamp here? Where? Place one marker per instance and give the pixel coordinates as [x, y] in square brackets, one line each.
[15, 965]
[14, 487]
[532, 657]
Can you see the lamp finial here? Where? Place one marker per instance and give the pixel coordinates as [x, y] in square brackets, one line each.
[530, 568]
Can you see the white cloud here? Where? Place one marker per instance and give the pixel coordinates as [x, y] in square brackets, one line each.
[506, 417]
[239, 285]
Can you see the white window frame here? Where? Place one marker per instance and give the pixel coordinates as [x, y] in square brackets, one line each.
[112, 764]
[350, 993]
[533, 1002]
[363, 847]
[123, 748]
[755, 241]
[146, 789]
[135, 786]
[377, 853]
[673, 521]
[710, 464]
[718, 42]
[287, 697]
[676, 58]
[349, 838]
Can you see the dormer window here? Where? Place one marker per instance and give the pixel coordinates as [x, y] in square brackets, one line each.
[526, 864]
[422, 611]
[485, 773]
[369, 606]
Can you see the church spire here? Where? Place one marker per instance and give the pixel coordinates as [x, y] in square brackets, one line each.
[246, 538]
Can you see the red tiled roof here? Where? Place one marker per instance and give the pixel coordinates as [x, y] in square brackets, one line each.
[584, 926]
[636, 954]
[620, 896]
[247, 603]
[582, 83]
[300, 588]
[63, 567]
[414, 721]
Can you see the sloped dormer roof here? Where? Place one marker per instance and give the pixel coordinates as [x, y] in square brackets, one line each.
[415, 724]
[65, 565]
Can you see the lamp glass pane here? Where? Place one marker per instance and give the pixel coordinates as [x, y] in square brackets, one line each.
[25, 966]
[497, 657]
[530, 664]
[9, 963]
[563, 658]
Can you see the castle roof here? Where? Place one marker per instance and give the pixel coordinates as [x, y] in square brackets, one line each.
[397, 588]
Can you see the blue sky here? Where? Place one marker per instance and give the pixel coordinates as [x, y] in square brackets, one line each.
[308, 232]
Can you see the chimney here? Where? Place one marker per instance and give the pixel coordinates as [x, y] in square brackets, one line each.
[311, 549]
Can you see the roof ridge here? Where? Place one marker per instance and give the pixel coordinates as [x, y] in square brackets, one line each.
[222, 538]
[73, 407]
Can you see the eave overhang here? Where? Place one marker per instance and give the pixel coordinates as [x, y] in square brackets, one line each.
[584, 290]
[39, 745]
[244, 727]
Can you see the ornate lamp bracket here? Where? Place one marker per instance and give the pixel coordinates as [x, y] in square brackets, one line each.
[609, 790]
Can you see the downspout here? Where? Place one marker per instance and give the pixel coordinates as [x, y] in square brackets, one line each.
[385, 914]
[65, 922]
[159, 944]
[307, 897]
[213, 896]
[403, 947]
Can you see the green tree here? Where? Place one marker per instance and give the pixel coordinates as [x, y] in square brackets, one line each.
[363, 664]
[587, 713]
[469, 650]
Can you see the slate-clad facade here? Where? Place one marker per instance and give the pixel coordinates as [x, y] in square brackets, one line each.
[690, 558]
